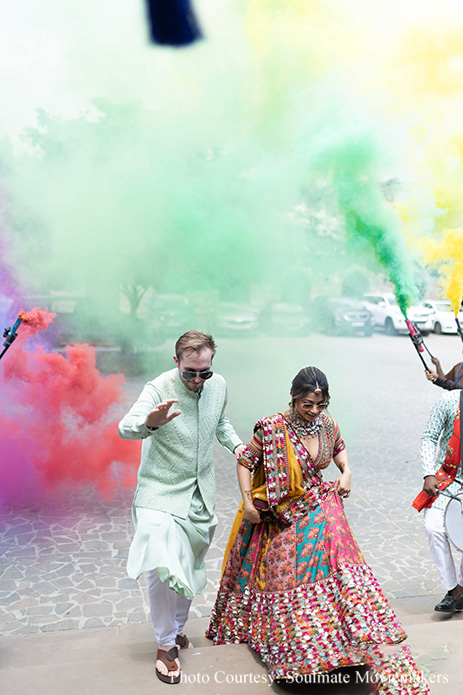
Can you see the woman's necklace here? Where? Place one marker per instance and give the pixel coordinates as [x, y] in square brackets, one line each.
[302, 427]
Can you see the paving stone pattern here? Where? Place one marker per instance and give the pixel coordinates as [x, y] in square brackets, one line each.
[64, 568]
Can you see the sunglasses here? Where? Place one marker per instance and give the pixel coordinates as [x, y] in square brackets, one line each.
[307, 406]
[188, 375]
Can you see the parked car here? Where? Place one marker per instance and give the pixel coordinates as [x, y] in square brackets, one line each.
[284, 319]
[107, 328]
[174, 313]
[341, 315]
[442, 316]
[236, 320]
[389, 318]
[78, 320]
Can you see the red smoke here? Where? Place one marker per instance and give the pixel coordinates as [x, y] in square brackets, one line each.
[36, 319]
[56, 424]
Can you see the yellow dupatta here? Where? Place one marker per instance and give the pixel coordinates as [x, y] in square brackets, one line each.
[259, 490]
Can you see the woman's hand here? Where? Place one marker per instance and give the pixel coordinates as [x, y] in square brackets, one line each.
[342, 484]
[251, 514]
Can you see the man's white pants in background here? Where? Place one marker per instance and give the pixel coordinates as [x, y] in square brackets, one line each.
[169, 610]
[439, 546]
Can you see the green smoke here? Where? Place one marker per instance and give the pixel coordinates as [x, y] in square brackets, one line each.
[348, 161]
[193, 186]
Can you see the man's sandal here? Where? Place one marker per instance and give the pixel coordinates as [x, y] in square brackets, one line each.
[182, 641]
[168, 659]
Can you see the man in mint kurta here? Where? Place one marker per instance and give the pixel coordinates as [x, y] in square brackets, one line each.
[173, 508]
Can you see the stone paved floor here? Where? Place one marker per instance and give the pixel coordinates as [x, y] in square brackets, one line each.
[63, 567]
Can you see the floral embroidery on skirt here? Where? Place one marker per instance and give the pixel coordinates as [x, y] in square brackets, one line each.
[302, 596]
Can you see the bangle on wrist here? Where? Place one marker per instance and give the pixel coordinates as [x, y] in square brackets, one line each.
[151, 429]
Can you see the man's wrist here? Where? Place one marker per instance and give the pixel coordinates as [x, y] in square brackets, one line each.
[151, 429]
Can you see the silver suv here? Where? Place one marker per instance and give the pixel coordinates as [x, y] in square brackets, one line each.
[389, 318]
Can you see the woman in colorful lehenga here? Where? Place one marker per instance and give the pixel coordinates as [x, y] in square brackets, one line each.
[295, 585]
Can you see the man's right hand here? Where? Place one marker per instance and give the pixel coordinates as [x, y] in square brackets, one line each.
[160, 415]
[431, 486]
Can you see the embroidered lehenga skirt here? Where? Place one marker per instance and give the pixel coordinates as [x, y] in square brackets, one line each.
[302, 596]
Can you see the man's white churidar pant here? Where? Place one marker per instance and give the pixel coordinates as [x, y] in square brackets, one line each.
[172, 551]
[169, 610]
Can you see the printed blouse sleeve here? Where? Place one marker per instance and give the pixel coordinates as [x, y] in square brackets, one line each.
[338, 440]
[253, 454]
[436, 422]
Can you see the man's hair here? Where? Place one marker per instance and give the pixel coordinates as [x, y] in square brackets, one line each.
[194, 341]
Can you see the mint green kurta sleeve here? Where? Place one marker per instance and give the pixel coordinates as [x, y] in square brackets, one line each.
[132, 425]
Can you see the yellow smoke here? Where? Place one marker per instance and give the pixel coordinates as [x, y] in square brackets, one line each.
[448, 255]
[293, 44]
[432, 58]
[426, 81]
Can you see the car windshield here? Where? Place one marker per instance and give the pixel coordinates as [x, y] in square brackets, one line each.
[230, 306]
[285, 309]
[173, 302]
[235, 308]
[349, 304]
[443, 306]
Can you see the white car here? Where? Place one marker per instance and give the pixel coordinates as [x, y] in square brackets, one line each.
[443, 317]
[389, 318]
[236, 320]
